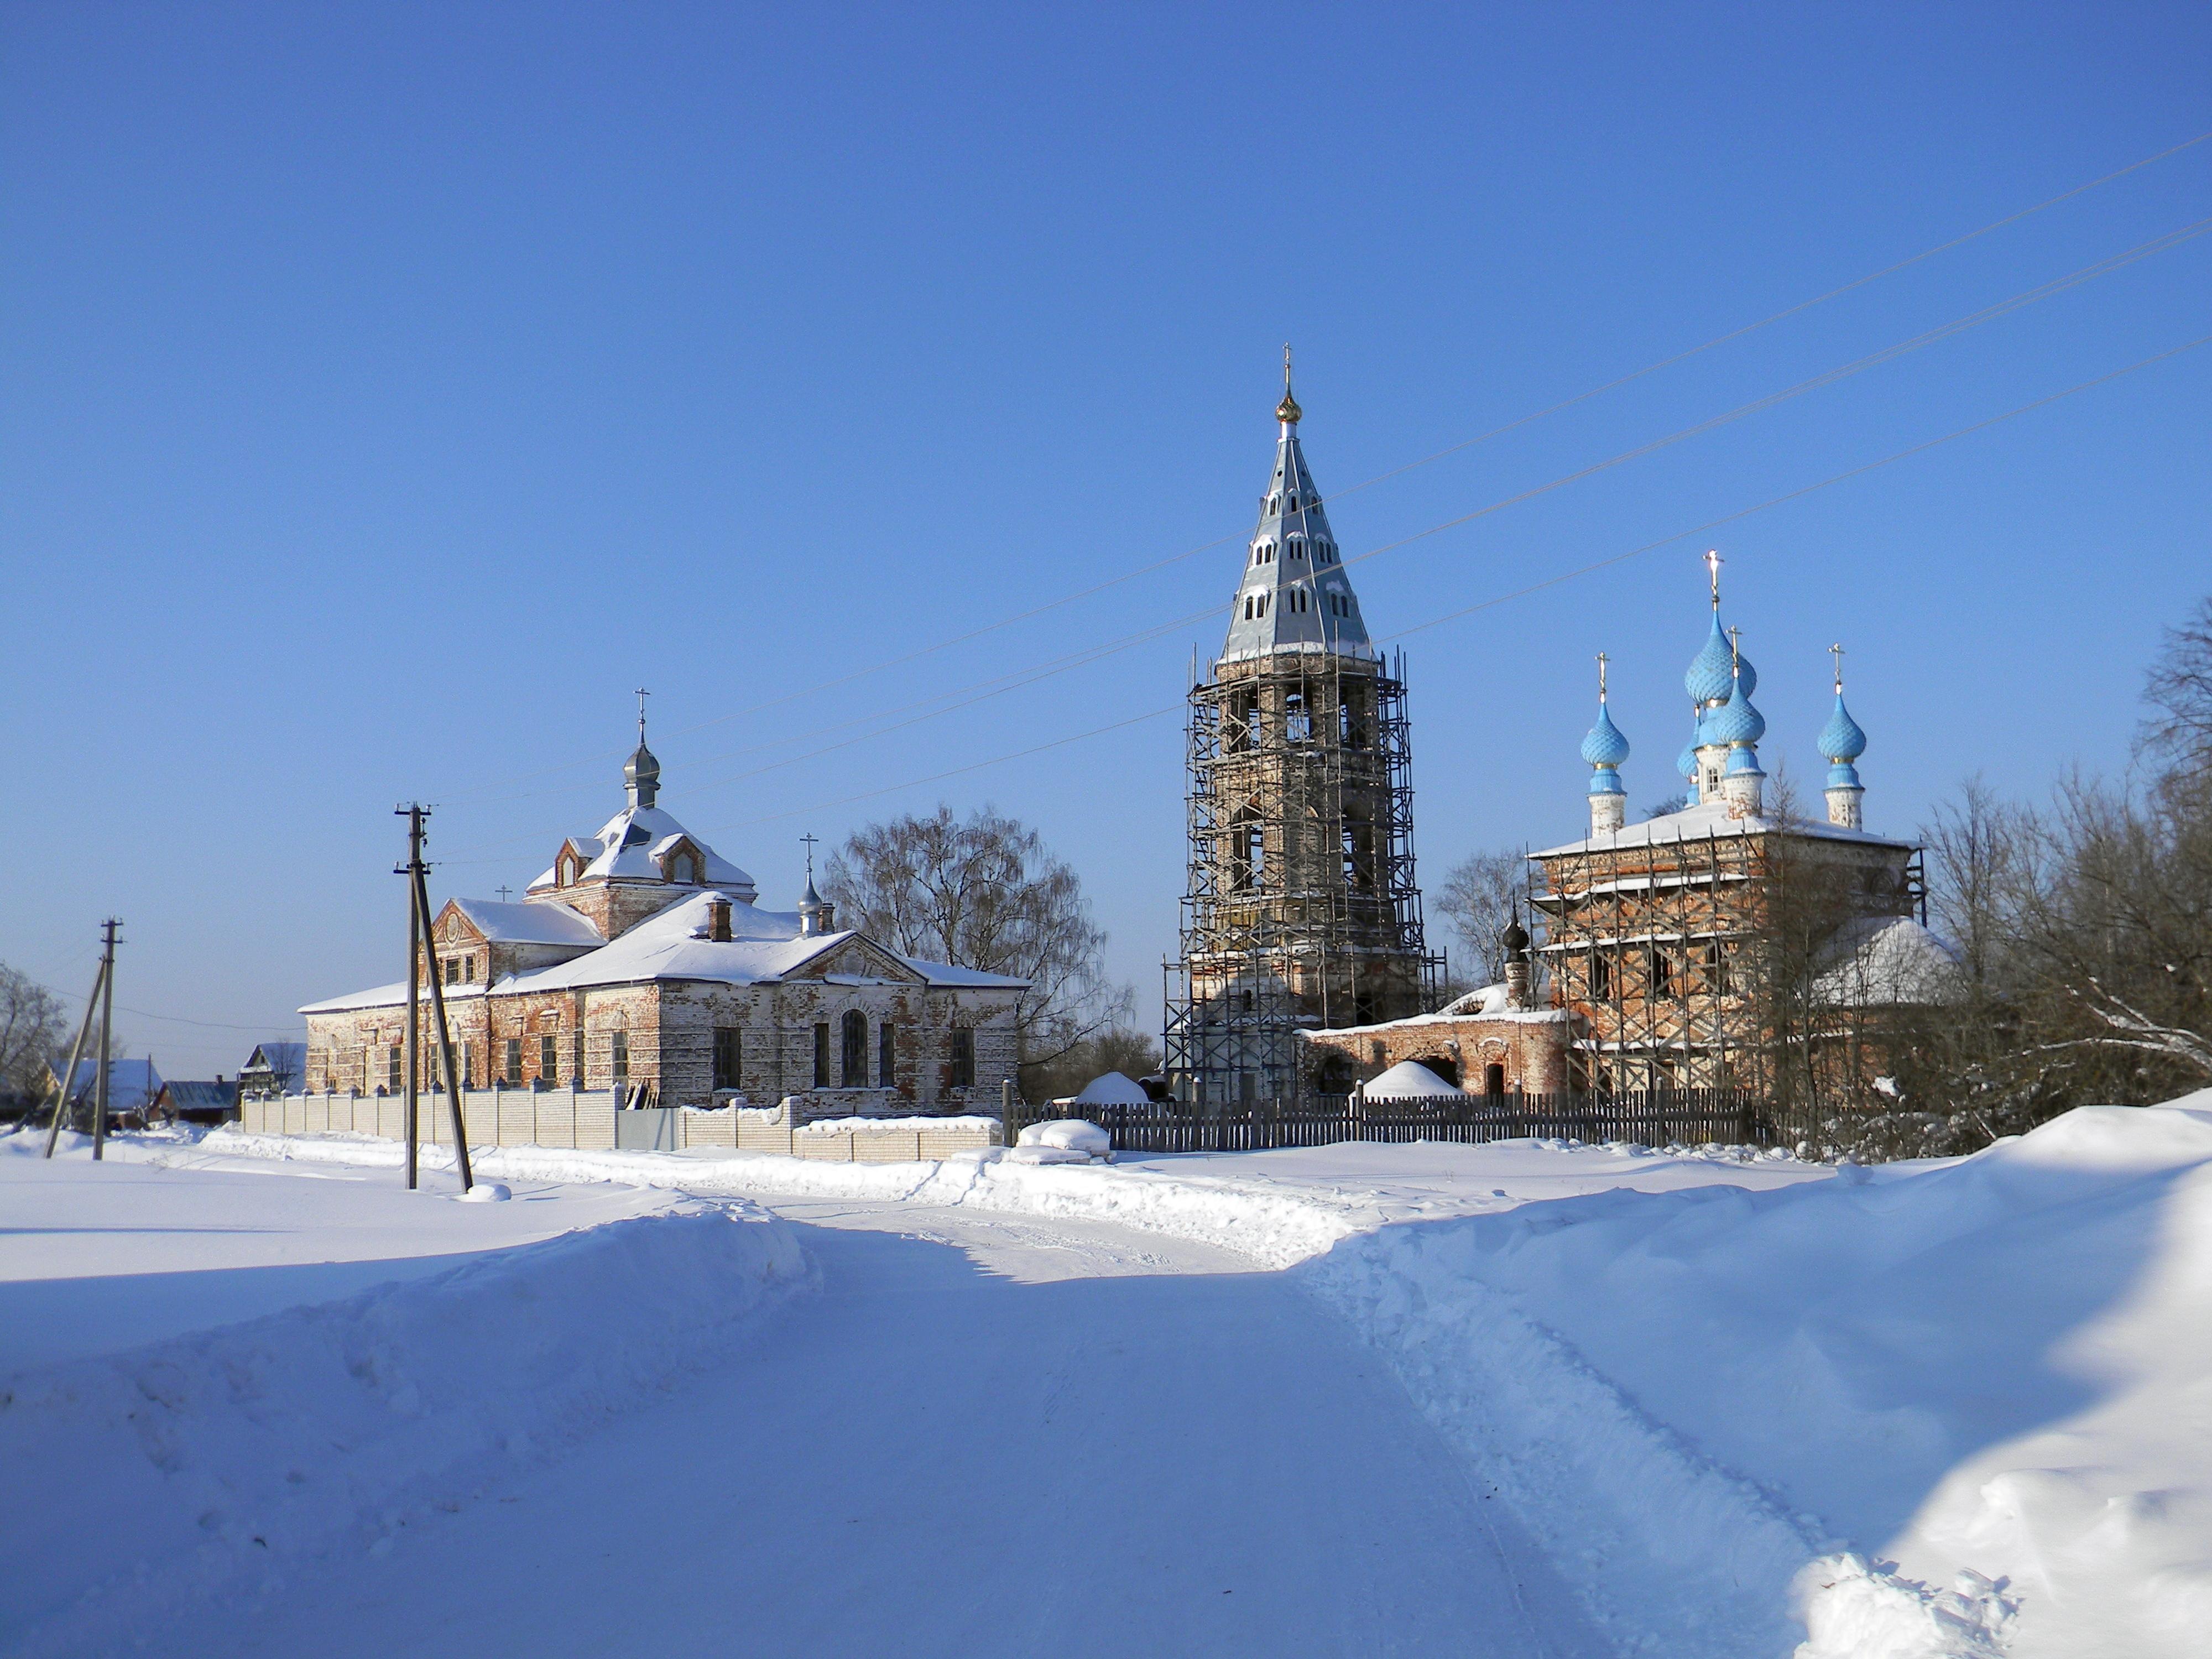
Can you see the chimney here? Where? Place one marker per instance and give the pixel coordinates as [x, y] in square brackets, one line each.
[718, 919]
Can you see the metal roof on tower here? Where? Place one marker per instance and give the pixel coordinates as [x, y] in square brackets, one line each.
[1295, 595]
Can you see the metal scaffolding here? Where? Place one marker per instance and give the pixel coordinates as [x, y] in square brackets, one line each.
[1302, 909]
[1662, 948]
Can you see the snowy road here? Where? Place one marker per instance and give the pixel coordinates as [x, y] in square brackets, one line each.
[987, 1434]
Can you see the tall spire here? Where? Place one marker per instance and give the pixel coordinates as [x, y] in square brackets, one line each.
[641, 773]
[1294, 595]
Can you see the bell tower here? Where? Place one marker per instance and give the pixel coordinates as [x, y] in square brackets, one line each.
[1301, 909]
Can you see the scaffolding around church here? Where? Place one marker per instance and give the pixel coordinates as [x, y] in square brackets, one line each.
[1302, 909]
[1659, 949]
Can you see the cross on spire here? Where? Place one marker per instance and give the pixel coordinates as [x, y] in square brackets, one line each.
[810, 838]
[1601, 660]
[1735, 649]
[1837, 652]
[642, 694]
[1287, 411]
[1713, 562]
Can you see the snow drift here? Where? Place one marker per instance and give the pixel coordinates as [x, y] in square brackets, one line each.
[171, 1470]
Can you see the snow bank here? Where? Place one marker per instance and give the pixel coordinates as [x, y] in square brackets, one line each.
[1411, 1080]
[1063, 1140]
[171, 1470]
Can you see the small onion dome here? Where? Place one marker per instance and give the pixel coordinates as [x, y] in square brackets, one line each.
[810, 900]
[1841, 738]
[641, 772]
[1736, 721]
[1742, 762]
[1288, 410]
[1713, 671]
[1604, 746]
[1514, 938]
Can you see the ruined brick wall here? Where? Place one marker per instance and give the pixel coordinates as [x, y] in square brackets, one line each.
[1532, 1048]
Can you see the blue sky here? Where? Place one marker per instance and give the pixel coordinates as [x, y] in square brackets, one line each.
[389, 389]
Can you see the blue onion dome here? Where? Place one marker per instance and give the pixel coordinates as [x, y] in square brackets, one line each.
[1713, 671]
[1686, 762]
[1841, 738]
[1604, 746]
[1736, 721]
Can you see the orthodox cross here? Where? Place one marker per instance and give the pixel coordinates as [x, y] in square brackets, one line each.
[503, 891]
[642, 694]
[1601, 660]
[808, 838]
[1713, 562]
[1736, 644]
[1837, 652]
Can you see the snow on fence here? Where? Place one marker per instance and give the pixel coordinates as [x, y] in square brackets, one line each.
[1653, 1118]
[590, 1120]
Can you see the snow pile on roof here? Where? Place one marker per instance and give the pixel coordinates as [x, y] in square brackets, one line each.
[631, 845]
[1113, 1089]
[1888, 961]
[1411, 1080]
[255, 1447]
[1716, 819]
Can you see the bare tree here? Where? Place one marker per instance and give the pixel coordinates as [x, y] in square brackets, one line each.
[1479, 897]
[983, 892]
[2179, 689]
[1979, 848]
[1134, 1054]
[32, 1032]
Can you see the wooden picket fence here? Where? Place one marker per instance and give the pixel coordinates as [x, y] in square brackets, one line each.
[1651, 1118]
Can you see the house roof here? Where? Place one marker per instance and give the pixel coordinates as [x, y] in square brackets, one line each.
[765, 946]
[1887, 961]
[630, 845]
[285, 1058]
[199, 1096]
[504, 923]
[132, 1084]
[1713, 819]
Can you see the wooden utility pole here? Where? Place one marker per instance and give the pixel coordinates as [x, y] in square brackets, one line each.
[107, 1035]
[445, 1033]
[412, 870]
[68, 1079]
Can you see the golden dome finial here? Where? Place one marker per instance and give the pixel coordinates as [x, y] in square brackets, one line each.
[1287, 411]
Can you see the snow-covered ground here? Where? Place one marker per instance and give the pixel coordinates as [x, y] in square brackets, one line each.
[1699, 1403]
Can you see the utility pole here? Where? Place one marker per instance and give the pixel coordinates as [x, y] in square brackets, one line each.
[68, 1080]
[412, 870]
[445, 1032]
[106, 1034]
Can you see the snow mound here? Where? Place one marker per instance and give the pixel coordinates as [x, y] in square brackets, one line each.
[1411, 1080]
[1111, 1090]
[1063, 1140]
[196, 1459]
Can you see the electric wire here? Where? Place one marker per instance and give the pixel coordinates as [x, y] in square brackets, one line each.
[1132, 575]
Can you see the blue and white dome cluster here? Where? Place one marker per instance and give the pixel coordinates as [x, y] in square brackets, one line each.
[1720, 760]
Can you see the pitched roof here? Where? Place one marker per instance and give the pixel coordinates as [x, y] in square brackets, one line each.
[1294, 584]
[285, 1059]
[132, 1084]
[526, 924]
[630, 845]
[1713, 818]
[765, 946]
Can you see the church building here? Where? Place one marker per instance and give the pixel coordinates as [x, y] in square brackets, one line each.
[638, 962]
[1301, 909]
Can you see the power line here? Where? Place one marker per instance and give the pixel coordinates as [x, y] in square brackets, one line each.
[1888, 354]
[1079, 594]
[1618, 558]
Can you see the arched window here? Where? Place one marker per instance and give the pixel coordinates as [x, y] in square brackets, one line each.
[1249, 600]
[1297, 724]
[853, 1071]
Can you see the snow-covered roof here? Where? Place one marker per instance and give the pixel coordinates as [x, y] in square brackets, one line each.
[764, 945]
[284, 1059]
[132, 1084]
[1713, 819]
[1411, 1080]
[1887, 961]
[1488, 1002]
[630, 845]
[527, 924]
